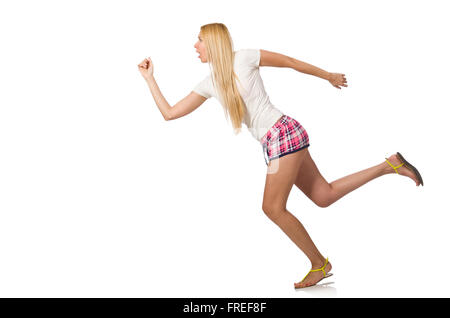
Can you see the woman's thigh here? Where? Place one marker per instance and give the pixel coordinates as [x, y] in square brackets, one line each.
[280, 177]
[311, 182]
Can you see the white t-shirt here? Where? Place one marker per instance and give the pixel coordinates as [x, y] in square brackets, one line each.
[261, 114]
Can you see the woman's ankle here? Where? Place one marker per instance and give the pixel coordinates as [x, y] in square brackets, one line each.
[386, 168]
[318, 262]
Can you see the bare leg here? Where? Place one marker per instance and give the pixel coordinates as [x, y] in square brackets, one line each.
[277, 189]
[295, 230]
[311, 182]
[353, 181]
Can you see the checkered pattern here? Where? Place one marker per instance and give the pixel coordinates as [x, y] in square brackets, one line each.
[284, 137]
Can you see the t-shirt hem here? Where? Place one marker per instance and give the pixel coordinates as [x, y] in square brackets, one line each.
[274, 120]
[200, 94]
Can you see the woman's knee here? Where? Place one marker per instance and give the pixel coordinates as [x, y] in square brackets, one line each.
[324, 199]
[272, 211]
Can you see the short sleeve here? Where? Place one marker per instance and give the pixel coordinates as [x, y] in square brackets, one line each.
[252, 57]
[203, 88]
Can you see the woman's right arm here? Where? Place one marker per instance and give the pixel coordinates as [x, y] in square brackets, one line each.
[182, 108]
[185, 106]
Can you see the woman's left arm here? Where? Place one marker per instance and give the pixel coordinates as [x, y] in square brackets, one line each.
[335, 79]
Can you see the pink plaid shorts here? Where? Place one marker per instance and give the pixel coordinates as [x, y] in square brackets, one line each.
[284, 137]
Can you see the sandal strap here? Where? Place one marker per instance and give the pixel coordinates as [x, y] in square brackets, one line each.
[319, 269]
[395, 168]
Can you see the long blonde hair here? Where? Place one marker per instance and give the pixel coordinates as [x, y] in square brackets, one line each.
[219, 47]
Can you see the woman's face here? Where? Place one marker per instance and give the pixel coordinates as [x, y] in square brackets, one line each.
[201, 49]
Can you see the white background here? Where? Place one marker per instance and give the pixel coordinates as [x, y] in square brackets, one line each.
[100, 197]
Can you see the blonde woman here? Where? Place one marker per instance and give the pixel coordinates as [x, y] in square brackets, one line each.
[236, 83]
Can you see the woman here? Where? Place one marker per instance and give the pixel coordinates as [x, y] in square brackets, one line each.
[235, 81]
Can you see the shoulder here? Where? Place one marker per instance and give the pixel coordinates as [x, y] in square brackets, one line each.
[247, 52]
[204, 87]
[206, 80]
[249, 56]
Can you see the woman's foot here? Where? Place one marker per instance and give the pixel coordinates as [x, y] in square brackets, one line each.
[313, 277]
[402, 170]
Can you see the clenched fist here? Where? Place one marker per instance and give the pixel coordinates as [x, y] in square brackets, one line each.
[146, 68]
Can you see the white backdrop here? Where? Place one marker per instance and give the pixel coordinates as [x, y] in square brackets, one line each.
[100, 197]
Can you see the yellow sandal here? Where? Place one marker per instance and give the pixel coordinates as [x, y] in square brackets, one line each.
[407, 165]
[325, 275]
[394, 167]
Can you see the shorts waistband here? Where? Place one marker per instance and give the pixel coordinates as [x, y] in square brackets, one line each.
[281, 119]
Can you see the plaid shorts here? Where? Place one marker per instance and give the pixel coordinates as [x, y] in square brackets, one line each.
[284, 137]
